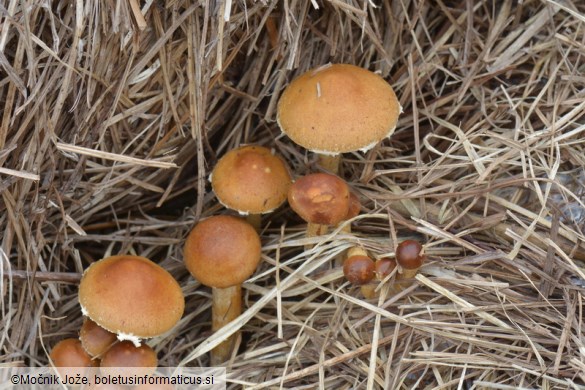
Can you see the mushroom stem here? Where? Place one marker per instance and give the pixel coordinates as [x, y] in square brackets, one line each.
[226, 306]
[255, 220]
[356, 251]
[330, 162]
[369, 290]
[314, 230]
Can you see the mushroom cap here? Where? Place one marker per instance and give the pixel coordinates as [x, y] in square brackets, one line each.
[338, 108]
[384, 267]
[320, 198]
[358, 269]
[409, 254]
[222, 251]
[95, 339]
[70, 353]
[124, 355]
[131, 296]
[250, 179]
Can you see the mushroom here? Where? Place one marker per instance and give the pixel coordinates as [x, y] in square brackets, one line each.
[336, 109]
[410, 257]
[358, 269]
[124, 358]
[321, 199]
[384, 267]
[69, 353]
[252, 181]
[222, 252]
[95, 339]
[131, 296]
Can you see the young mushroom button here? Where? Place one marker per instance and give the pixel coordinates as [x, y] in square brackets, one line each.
[336, 109]
[222, 252]
[410, 256]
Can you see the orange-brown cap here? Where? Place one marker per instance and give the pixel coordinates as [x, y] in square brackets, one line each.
[409, 254]
[222, 251]
[125, 354]
[70, 353]
[338, 108]
[131, 296]
[251, 180]
[320, 198]
[95, 339]
[358, 269]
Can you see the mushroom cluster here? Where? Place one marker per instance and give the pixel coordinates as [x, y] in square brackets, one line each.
[410, 257]
[125, 299]
[333, 109]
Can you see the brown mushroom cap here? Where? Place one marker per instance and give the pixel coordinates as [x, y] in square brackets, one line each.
[95, 339]
[125, 354]
[70, 353]
[131, 296]
[358, 269]
[222, 251]
[338, 108]
[409, 254]
[251, 179]
[320, 198]
[384, 267]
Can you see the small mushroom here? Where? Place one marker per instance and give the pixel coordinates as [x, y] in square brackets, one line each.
[69, 353]
[252, 181]
[321, 199]
[95, 339]
[336, 109]
[384, 267]
[131, 296]
[124, 358]
[222, 252]
[410, 257]
[358, 269]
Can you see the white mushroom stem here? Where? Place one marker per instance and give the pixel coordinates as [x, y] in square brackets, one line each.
[330, 162]
[226, 306]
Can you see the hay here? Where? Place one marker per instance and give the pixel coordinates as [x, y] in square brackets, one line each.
[112, 116]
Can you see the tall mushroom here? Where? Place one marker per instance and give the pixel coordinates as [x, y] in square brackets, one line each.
[222, 252]
[336, 109]
[252, 181]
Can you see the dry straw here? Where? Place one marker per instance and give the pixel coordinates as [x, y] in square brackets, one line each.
[112, 115]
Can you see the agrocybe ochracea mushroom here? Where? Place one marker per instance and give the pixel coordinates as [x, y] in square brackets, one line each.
[131, 296]
[222, 252]
[251, 180]
[338, 108]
